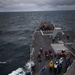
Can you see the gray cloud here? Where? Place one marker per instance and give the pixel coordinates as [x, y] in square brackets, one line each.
[30, 5]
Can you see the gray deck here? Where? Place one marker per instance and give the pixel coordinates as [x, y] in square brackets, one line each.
[41, 41]
[71, 70]
[45, 42]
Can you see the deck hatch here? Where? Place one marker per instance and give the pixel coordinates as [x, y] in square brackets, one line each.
[59, 47]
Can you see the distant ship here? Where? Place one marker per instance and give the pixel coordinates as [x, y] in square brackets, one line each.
[52, 51]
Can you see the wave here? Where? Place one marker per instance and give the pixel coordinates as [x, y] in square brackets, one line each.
[19, 71]
[26, 70]
[3, 62]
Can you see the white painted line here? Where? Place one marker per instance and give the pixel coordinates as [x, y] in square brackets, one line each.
[41, 32]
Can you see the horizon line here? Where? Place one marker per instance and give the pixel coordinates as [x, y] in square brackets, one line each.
[35, 10]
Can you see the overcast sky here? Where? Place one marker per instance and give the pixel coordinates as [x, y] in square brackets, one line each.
[36, 5]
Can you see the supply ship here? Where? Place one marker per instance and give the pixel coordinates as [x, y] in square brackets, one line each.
[52, 51]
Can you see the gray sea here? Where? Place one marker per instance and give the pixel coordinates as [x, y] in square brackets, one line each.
[16, 30]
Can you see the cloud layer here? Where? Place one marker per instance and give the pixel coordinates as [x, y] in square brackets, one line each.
[36, 5]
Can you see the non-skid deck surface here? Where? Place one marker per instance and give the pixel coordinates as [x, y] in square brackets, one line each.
[44, 42]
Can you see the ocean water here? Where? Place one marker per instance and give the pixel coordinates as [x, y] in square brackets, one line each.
[16, 30]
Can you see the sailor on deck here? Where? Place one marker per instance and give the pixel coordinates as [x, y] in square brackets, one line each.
[51, 65]
[59, 68]
[50, 51]
[68, 36]
[60, 60]
[55, 67]
[43, 69]
[41, 50]
[47, 56]
[39, 55]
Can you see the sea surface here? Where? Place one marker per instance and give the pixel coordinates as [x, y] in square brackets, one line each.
[16, 30]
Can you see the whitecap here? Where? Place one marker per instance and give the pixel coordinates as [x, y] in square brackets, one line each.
[3, 62]
[19, 71]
